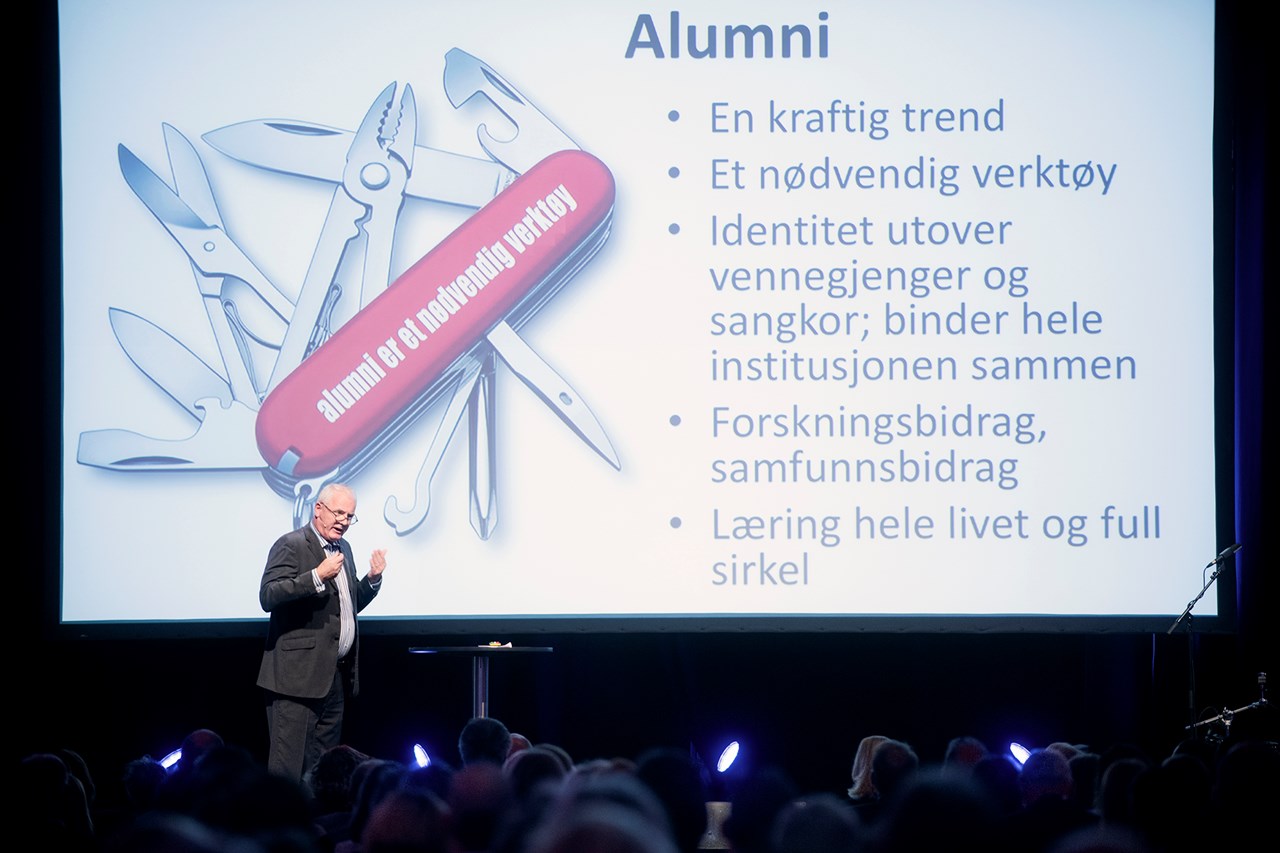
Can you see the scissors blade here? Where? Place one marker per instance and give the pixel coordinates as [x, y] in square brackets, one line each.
[190, 231]
[165, 204]
[225, 275]
[552, 389]
[204, 240]
[168, 363]
[310, 150]
[190, 180]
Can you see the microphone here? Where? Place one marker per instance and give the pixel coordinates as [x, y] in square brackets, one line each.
[1226, 552]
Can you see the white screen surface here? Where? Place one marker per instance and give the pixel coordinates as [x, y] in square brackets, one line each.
[1046, 449]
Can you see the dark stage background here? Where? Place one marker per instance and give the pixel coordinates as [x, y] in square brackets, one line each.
[801, 701]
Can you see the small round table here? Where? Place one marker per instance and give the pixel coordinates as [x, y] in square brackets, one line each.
[480, 657]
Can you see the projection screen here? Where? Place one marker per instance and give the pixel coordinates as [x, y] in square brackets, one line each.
[618, 315]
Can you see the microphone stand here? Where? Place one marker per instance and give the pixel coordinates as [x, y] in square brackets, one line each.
[1227, 717]
[1216, 564]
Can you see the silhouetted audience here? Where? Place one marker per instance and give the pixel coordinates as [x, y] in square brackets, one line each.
[532, 767]
[1048, 811]
[1115, 804]
[1084, 779]
[537, 801]
[821, 822]
[140, 783]
[863, 788]
[963, 753]
[374, 780]
[435, 777]
[754, 806]
[997, 775]
[1170, 804]
[937, 809]
[518, 743]
[484, 739]
[892, 764]
[680, 783]
[50, 805]
[480, 797]
[141, 780]
[408, 821]
[1245, 793]
[605, 810]
[332, 784]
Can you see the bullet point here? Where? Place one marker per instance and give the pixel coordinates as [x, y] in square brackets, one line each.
[673, 228]
[675, 420]
[673, 172]
[675, 521]
[673, 115]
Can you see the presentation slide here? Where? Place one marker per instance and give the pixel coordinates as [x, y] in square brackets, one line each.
[620, 311]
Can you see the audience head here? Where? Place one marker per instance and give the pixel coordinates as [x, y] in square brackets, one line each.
[560, 752]
[964, 752]
[79, 768]
[600, 827]
[938, 809]
[195, 746]
[1115, 791]
[408, 820]
[51, 803]
[1170, 804]
[375, 778]
[894, 763]
[141, 780]
[1101, 839]
[863, 787]
[170, 832]
[531, 768]
[821, 822]
[608, 811]
[484, 739]
[997, 776]
[677, 778]
[1045, 774]
[479, 798]
[1066, 750]
[1247, 789]
[436, 777]
[518, 742]
[330, 779]
[1084, 778]
[755, 806]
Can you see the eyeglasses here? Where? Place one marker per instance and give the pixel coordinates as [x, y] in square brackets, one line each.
[339, 515]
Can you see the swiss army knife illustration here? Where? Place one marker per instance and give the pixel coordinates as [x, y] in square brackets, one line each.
[311, 389]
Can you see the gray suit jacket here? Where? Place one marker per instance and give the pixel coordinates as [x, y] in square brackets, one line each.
[301, 652]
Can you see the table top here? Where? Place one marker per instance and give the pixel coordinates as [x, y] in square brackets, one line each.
[476, 650]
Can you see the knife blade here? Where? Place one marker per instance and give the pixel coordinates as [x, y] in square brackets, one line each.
[552, 389]
[222, 442]
[168, 363]
[311, 150]
[483, 467]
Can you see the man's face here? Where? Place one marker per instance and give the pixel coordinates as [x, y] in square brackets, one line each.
[333, 514]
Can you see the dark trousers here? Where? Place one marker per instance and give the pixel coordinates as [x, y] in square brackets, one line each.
[300, 730]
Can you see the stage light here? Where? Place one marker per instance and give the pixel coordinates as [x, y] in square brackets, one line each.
[1019, 752]
[727, 757]
[171, 760]
[420, 757]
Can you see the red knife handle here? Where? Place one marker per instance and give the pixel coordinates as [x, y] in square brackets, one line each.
[399, 346]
